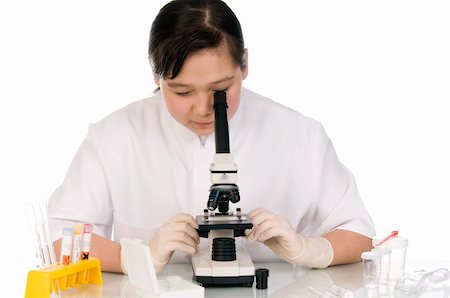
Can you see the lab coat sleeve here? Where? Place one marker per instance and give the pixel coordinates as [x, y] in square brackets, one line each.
[339, 205]
[83, 196]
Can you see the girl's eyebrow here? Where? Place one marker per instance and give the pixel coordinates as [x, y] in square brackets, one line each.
[176, 84]
[222, 80]
[173, 84]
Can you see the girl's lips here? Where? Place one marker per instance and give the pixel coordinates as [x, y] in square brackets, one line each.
[203, 124]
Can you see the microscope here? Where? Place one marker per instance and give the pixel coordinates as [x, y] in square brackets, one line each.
[222, 265]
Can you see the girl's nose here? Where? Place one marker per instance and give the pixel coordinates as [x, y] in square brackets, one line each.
[204, 105]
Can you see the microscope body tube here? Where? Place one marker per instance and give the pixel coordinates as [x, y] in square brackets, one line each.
[221, 122]
[223, 170]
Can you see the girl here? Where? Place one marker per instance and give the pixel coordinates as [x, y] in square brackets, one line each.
[143, 171]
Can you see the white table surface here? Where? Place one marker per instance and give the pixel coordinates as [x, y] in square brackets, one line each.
[285, 280]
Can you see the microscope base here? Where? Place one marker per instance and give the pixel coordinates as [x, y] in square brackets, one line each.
[219, 281]
[237, 273]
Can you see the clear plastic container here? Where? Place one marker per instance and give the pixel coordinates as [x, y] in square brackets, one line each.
[371, 268]
[385, 265]
[384, 284]
[398, 246]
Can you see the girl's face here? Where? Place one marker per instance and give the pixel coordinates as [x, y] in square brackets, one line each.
[189, 96]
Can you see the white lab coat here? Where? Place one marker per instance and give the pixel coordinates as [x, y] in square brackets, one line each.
[139, 167]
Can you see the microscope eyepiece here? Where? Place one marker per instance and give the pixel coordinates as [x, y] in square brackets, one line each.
[221, 122]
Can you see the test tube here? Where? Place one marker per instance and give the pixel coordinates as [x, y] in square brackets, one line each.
[42, 234]
[76, 243]
[31, 215]
[50, 246]
[87, 234]
[66, 246]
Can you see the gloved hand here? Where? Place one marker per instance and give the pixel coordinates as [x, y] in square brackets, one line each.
[275, 232]
[179, 233]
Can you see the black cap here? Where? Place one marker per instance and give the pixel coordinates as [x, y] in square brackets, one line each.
[261, 275]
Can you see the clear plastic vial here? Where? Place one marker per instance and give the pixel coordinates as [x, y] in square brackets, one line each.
[371, 268]
[385, 265]
[398, 246]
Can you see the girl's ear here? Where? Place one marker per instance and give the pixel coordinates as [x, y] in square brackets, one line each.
[155, 76]
[245, 69]
[156, 79]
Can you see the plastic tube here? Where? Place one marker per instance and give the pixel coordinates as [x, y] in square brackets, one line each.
[33, 224]
[76, 243]
[319, 294]
[85, 248]
[340, 292]
[66, 246]
[49, 242]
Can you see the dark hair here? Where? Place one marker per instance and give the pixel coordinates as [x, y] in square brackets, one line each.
[183, 27]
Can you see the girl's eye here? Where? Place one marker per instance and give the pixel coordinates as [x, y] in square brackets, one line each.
[182, 93]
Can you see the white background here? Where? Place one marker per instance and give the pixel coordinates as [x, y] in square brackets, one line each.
[375, 73]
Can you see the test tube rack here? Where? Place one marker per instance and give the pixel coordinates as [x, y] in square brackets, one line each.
[41, 283]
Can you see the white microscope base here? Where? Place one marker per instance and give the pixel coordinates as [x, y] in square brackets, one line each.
[240, 272]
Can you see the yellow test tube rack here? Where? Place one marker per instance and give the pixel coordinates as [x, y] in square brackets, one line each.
[41, 283]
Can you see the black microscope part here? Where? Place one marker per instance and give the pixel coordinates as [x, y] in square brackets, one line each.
[223, 249]
[220, 195]
[261, 275]
[221, 122]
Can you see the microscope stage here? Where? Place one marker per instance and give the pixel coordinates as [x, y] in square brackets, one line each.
[223, 222]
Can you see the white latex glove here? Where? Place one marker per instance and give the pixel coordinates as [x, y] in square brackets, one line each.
[275, 232]
[179, 233]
